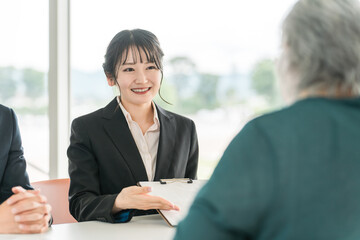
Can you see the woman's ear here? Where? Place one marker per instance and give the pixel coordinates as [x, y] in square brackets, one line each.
[110, 79]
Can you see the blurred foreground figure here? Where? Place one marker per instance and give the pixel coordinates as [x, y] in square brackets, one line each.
[294, 173]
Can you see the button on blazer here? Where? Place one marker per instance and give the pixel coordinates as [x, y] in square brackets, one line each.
[12, 161]
[104, 159]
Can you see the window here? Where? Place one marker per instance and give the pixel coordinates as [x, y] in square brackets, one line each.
[23, 77]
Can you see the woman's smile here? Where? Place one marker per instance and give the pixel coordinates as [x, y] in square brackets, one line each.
[141, 90]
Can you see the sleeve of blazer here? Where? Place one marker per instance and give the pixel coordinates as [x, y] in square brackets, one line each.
[85, 200]
[192, 165]
[15, 171]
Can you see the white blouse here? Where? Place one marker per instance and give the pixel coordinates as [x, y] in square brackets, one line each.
[147, 143]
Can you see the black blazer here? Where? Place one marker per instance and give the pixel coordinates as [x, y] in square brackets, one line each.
[12, 161]
[104, 159]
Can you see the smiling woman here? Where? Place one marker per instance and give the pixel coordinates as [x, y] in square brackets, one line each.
[130, 140]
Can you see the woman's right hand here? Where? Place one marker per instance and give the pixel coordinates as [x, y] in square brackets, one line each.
[138, 198]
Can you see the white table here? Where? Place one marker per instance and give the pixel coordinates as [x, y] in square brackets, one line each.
[143, 227]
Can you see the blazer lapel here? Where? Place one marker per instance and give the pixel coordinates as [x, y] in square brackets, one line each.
[166, 144]
[118, 131]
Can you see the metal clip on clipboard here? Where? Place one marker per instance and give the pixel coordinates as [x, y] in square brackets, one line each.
[172, 180]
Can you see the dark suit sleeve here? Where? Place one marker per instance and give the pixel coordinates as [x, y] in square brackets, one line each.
[15, 171]
[86, 202]
[192, 165]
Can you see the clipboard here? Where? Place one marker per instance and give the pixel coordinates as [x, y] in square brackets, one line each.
[180, 191]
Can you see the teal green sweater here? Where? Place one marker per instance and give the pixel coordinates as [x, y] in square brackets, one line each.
[291, 174]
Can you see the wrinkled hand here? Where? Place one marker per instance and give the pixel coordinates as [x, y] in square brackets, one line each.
[137, 198]
[26, 211]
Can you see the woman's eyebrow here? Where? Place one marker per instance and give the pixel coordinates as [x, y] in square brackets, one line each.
[131, 63]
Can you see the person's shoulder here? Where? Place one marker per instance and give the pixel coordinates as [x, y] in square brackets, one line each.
[4, 109]
[7, 115]
[97, 114]
[88, 119]
[287, 112]
[89, 116]
[175, 116]
[296, 115]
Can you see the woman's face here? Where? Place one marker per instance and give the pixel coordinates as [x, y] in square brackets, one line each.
[138, 82]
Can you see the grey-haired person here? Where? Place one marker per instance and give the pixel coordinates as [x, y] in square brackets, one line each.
[294, 173]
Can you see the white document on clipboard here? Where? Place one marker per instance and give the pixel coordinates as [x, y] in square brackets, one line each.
[180, 193]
